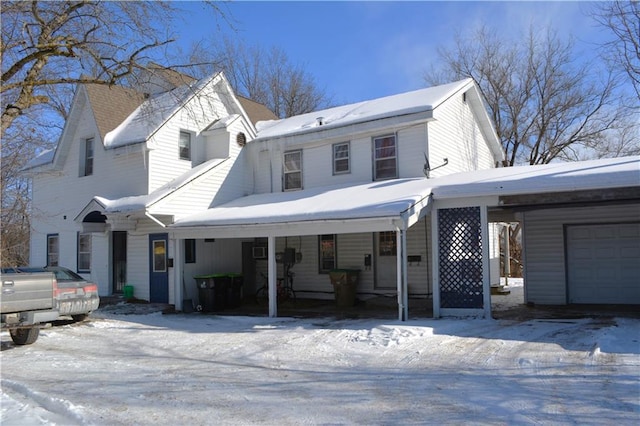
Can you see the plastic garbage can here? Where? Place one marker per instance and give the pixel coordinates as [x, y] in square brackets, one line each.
[212, 291]
[345, 285]
[128, 291]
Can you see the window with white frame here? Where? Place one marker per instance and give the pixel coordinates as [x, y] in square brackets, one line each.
[185, 146]
[327, 253]
[86, 168]
[84, 252]
[341, 158]
[53, 249]
[292, 170]
[385, 164]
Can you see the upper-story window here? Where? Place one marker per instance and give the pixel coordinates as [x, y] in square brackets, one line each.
[185, 146]
[385, 157]
[341, 161]
[292, 170]
[86, 168]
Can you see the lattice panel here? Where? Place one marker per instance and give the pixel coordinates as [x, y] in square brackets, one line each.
[460, 258]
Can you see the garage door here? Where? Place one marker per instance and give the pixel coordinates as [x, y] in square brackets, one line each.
[603, 264]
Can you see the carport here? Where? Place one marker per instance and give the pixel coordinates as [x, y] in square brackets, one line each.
[393, 205]
[580, 224]
[548, 200]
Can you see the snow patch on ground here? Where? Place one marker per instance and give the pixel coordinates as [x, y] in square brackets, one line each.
[150, 368]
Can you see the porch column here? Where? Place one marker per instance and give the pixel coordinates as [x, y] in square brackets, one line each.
[272, 275]
[178, 286]
[486, 269]
[402, 283]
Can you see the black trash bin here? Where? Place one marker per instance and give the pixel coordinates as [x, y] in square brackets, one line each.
[234, 290]
[345, 286]
[212, 291]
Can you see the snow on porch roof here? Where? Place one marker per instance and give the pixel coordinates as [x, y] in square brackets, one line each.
[392, 199]
[547, 178]
[372, 200]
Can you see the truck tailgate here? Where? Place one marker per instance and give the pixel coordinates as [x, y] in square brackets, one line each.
[26, 292]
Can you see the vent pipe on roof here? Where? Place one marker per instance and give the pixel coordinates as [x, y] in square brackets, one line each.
[319, 121]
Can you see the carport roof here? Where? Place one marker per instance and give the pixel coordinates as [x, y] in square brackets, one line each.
[387, 204]
[548, 178]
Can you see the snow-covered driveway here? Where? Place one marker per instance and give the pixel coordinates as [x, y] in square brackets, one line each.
[200, 369]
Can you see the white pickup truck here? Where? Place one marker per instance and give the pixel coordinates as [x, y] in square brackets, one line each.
[28, 301]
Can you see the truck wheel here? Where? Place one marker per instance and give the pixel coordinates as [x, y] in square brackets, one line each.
[24, 336]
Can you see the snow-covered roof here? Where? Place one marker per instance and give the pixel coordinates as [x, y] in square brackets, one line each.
[45, 157]
[152, 114]
[391, 198]
[556, 177]
[137, 203]
[366, 200]
[402, 104]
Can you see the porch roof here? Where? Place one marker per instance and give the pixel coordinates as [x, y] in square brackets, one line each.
[394, 204]
[385, 205]
[606, 173]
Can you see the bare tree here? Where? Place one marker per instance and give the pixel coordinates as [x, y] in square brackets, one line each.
[45, 44]
[622, 19]
[545, 103]
[46, 49]
[266, 76]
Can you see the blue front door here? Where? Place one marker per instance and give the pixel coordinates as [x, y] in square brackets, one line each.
[158, 268]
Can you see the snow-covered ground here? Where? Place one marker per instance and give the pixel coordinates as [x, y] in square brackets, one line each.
[203, 369]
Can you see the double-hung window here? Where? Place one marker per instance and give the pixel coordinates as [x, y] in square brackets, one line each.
[385, 158]
[341, 160]
[292, 170]
[84, 252]
[184, 146]
[327, 253]
[86, 168]
[53, 249]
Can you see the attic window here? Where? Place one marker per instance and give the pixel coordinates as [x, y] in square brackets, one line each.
[185, 146]
[241, 139]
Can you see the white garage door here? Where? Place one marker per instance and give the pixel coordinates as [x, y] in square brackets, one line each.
[603, 264]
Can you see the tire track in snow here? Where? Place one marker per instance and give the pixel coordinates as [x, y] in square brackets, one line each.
[56, 410]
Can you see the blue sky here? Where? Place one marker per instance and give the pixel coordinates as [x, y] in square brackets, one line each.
[360, 50]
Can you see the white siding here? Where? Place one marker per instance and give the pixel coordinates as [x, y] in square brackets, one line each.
[100, 261]
[455, 135]
[195, 116]
[138, 265]
[544, 246]
[351, 251]
[59, 196]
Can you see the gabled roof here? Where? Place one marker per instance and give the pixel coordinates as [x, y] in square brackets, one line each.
[256, 111]
[111, 105]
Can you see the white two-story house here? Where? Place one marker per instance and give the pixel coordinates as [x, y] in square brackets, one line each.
[151, 188]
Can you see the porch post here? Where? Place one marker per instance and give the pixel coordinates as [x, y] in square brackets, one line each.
[272, 271]
[486, 273]
[435, 263]
[403, 287]
[177, 273]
